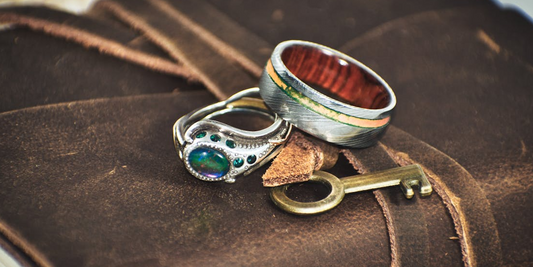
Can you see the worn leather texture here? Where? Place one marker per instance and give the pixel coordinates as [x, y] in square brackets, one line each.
[89, 175]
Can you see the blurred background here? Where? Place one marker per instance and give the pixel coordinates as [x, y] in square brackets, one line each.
[80, 6]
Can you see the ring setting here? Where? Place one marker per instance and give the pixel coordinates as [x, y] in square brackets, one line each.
[214, 151]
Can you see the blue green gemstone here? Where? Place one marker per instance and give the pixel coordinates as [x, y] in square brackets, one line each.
[215, 138]
[230, 143]
[209, 162]
[251, 159]
[238, 162]
[201, 135]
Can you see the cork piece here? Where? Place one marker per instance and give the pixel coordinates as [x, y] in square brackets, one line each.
[302, 155]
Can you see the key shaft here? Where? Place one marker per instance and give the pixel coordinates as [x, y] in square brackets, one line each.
[406, 177]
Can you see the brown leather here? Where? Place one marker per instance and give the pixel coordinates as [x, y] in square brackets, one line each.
[117, 195]
[66, 194]
[406, 222]
[94, 41]
[467, 203]
[333, 23]
[158, 23]
[228, 38]
[92, 23]
[475, 108]
[55, 71]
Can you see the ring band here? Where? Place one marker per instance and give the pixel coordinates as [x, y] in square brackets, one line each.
[327, 94]
[214, 151]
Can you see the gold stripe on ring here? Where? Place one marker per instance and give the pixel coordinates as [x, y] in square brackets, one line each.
[319, 108]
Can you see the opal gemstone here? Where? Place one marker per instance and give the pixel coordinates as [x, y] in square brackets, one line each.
[209, 162]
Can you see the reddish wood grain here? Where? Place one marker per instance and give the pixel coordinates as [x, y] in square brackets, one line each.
[335, 77]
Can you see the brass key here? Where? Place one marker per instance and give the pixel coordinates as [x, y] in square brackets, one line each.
[406, 177]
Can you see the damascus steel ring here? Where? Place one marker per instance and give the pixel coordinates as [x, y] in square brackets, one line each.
[327, 94]
[214, 151]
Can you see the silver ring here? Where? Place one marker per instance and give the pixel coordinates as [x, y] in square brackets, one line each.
[214, 151]
[327, 94]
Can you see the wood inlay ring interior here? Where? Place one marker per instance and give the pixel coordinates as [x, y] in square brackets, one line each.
[335, 77]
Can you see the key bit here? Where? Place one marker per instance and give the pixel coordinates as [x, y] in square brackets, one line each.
[406, 177]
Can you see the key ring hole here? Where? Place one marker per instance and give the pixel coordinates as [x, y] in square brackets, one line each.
[308, 192]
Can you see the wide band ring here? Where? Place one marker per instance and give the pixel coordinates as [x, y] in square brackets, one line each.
[214, 151]
[327, 94]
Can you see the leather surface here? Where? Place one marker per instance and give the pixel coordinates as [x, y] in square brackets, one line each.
[99, 183]
[331, 23]
[59, 71]
[94, 183]
[476, 109]
[95, 22]
[160, 24]
[406, 221]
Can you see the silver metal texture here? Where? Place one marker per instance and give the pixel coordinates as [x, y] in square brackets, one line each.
[327, 117]
[226, 151]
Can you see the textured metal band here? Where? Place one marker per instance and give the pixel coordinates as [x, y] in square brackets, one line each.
[327, 94]
[214, 151]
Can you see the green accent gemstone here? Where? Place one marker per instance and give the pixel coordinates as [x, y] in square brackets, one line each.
[209, 162]
[230, 143]
[251, 159]
[238, 162]
[215, 138]
[201, 135]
